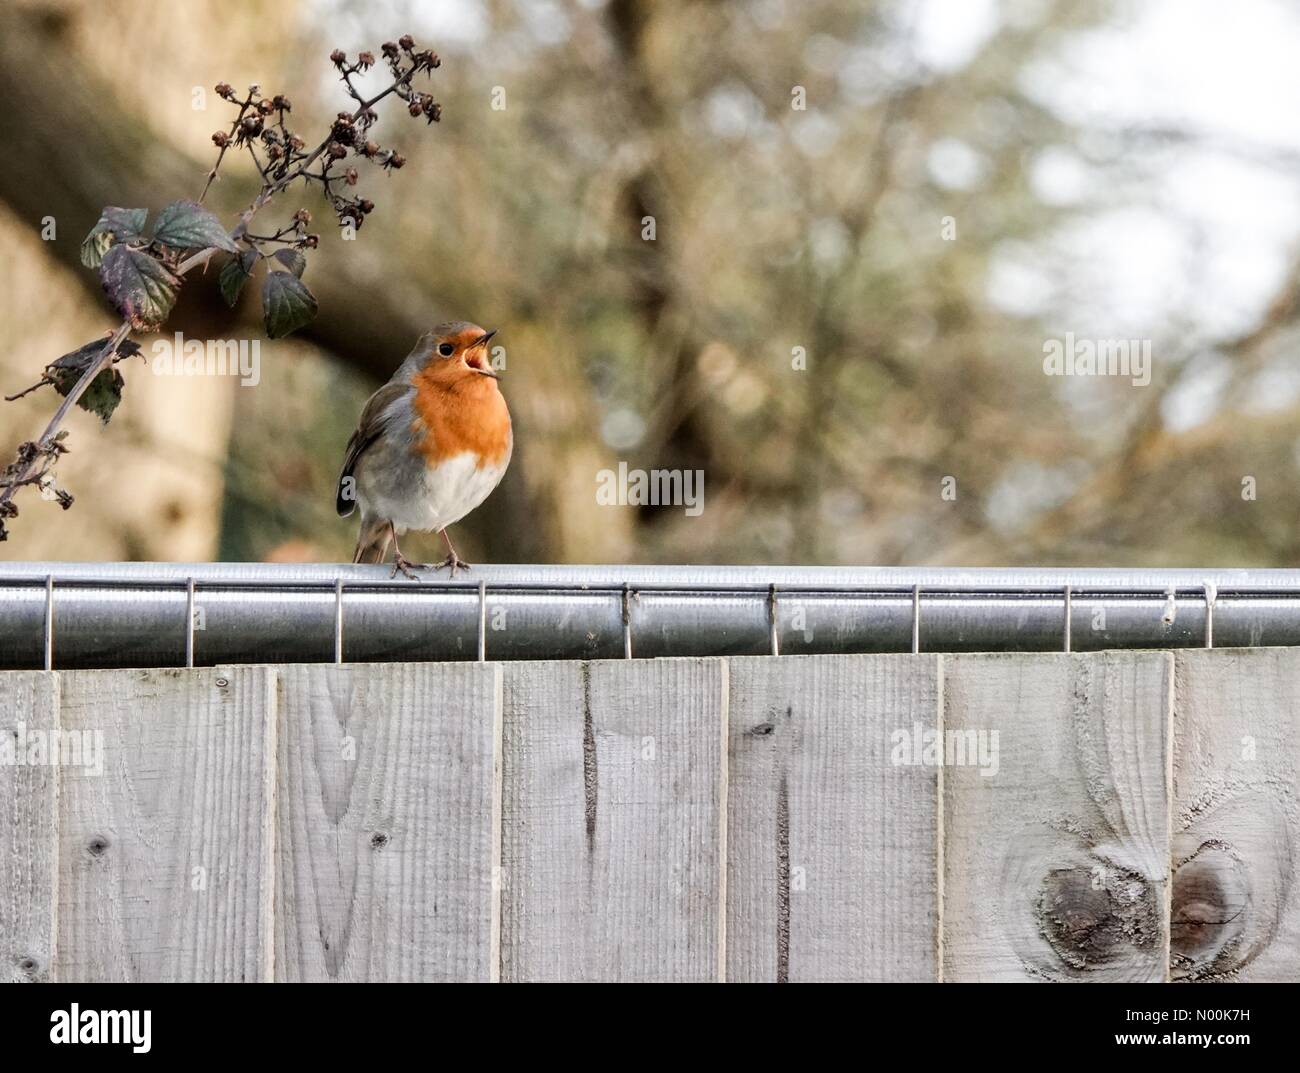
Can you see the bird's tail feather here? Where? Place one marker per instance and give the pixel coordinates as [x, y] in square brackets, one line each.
[373, 540]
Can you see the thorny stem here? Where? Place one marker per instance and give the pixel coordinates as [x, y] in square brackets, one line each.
[101, 362]
[279, 236]
[257, 163]
[78, 389]
[29, 472]
[212, 175]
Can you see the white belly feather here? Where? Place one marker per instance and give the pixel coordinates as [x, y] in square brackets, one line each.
[448, 492]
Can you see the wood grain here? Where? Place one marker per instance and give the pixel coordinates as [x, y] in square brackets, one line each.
[661, 820]
[1236, 847]
[29, 724]
[614, 806]
[1056, 867]
[832, 870]
[389, 822]
[165, 858]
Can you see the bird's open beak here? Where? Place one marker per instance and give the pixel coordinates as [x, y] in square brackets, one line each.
[485, 368]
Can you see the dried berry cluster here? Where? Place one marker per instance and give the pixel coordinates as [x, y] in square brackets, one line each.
[142, 269]
[281, 155]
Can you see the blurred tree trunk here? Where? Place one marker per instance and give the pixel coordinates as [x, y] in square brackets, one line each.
[678, 433]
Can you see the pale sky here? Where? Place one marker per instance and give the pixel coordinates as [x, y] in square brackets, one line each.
[1208, 234]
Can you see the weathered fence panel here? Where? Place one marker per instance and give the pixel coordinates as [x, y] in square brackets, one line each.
[1056, 864]
[899, 817]
[166, 868]
[388, 822]
[29, 720]
[1236, 895]
[832, 863]
[614, 797]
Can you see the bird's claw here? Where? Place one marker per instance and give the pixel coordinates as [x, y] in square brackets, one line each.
[455, 562]
[402, 563]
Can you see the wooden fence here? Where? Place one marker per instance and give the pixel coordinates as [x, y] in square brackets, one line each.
[1108, 816]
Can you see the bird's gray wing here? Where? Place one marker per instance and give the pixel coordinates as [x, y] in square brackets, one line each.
[375, 418]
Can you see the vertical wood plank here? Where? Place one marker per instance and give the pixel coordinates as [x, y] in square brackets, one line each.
[389, 821]
[29, 726]
[614, 810]
[832, 867]
[165, 857]
[1056, 867]
[1235, 911]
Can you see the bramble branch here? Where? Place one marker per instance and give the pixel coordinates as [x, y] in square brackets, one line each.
[142, 273]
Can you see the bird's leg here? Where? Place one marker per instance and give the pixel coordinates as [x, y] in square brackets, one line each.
[400, 561]
[453, 560]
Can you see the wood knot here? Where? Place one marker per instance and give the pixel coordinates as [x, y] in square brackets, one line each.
[97, 846]
[1208, 913]
[1095, 915]
[378, 840]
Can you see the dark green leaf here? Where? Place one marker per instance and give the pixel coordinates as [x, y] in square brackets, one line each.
[142, 289]
[286, 303]
[120, 225]
[234, 275]
[187, 225]
[93, 248]
[103, 395]
[105, 391]
[125, 224]
[293, 260]
[77, 361]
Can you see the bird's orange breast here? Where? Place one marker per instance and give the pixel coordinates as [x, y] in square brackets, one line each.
[469, 415]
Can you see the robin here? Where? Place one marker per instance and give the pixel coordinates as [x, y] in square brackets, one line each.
[431, 445]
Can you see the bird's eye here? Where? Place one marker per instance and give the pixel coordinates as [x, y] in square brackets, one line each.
[446, 349]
